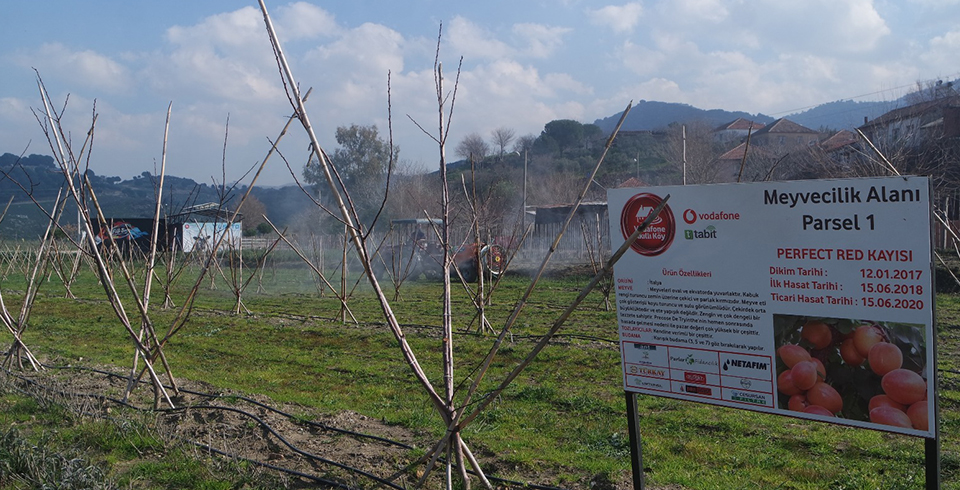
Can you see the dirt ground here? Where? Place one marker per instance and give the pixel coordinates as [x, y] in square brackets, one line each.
[246, 426]
[254, 427]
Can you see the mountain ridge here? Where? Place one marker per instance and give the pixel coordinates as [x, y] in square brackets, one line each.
[654, 115]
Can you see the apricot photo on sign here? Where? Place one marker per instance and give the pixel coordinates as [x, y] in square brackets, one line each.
[857, 369]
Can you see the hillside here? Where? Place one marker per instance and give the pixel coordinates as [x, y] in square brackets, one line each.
[34, 180]
[650, 115]
[842, 114]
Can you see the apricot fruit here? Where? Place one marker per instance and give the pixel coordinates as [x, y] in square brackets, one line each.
[825, 396]
[817, 409]
[804, 375]
[785, 384]
[865, 337]
[890, 416]
[884, 357]
[791, 354]
[918, 415]
[798, 403]
[904, 386]
[885, 401]
[849, 353]
[817, 333]
[821, 370]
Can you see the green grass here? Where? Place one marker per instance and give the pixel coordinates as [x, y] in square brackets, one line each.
[47, 444]
[562, 422]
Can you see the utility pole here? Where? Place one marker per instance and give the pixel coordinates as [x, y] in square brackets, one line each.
[523, 209]
[683, 133]
[524, 219]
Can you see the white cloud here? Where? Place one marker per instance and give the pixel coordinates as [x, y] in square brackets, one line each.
[852, 26]
[369, 50]
[712, 11]
[240, 28]
[936, 3]
[516, 82]
[657, 89]
[84, 68]
[942, 52]
[865, 26]
[640, 59]
[620, 18]
[541, 41]
[226, 56]
[303, 20]
[475, 43]
[13, 109]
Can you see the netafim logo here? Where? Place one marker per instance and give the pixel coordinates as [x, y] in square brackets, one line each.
[708, 232]
[657, 237]
[739, 363]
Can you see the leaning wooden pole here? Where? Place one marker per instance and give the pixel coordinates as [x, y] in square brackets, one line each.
[106, 281]
[447, 320]
[543, 265]
[394, 325]
[184, 312]
[145, 326]
[607, 269]
[18, 326]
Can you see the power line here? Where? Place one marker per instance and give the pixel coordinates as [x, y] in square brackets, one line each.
[900, 87]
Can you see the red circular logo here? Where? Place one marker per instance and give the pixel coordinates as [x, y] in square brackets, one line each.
[690, 216]
[657, 238]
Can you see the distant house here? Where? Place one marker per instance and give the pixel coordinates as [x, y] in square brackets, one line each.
[736, 130]
[633, 182]
[728, 164]
[589, 227]
[783, 136]
[916, 124]
[842, 148]
[199, 227]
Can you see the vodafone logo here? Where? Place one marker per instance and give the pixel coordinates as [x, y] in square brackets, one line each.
[658, 236]
[690, 216]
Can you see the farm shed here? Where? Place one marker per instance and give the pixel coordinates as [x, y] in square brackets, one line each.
[198, 227]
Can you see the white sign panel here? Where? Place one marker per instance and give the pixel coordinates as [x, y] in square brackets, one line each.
[812, 298]
[202, 236]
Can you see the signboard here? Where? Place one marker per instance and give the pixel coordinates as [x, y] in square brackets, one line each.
[812, 298]
[202, 236]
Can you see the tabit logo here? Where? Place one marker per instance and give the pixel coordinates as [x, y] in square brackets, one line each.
[706, 233]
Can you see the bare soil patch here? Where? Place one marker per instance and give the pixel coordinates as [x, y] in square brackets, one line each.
[346, 448]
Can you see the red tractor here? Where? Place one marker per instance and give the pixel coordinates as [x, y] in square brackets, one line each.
[413, 253]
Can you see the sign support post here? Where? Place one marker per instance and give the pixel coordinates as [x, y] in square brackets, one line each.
[636, 446]
[932, 461]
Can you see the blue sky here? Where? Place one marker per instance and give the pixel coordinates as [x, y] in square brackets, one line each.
[525, 63]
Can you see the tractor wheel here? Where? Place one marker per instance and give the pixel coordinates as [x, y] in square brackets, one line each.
[494, 259]
[468, 270]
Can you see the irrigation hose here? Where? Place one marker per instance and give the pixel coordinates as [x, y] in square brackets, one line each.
[253, 402]
[262, 423]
